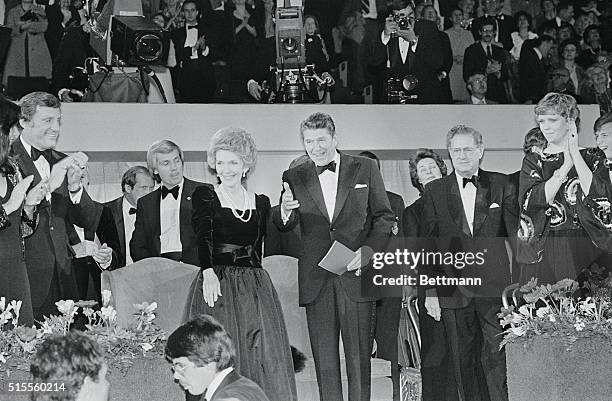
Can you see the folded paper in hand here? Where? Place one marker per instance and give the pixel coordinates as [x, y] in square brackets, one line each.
[337, 258]
[85, 248]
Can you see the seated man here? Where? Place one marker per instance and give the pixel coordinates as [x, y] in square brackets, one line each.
[74, 360]
[202, 357]
[477, 88]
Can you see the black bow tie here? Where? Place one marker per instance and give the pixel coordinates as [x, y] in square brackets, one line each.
[132, 210]
[473, 180]
[44, 153]
[174, 191]
[192, 27]
[608, 164]
[331, 166]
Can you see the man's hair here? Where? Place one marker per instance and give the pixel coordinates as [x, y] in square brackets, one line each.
[164, 146]
[471, 79]
[566, 43]
[588, 30]
[318, 121]
[129, 177]
[559, 103]
[536, 42]
[534, 137]
[202, 340]
[30, 102]
[194, 2]
[550, 1]
[370, 155]
[489, 21]
[421, 154]
[601, 121]
[400, 4]
[563, 4]
[235, 140]
[463, 130]
[68, 359]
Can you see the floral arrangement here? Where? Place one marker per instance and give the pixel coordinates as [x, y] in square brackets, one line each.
[560, 310]
[18, 343]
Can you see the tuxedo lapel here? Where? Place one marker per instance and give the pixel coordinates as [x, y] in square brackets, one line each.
[455, 205]
[155, 221]
[227, 380]
[26, 164]
[308, 175]
[185, 211]
[481, 206]
[117, 207]
[347, 176]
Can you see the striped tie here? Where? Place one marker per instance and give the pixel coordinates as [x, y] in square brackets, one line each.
[365, 7]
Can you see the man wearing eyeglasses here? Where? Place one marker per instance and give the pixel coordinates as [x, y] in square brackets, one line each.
[471, 211]
[487, 57]
[410, 47]
[477, 88]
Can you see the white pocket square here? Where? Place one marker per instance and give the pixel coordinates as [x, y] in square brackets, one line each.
[357, 186]
[493, 205]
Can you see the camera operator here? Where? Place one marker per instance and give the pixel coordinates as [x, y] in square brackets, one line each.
[28, 55]
[409, 47]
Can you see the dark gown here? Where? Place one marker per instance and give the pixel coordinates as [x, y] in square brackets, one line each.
[14, 282]
[555, 240]
[243, 53]
[249, 307]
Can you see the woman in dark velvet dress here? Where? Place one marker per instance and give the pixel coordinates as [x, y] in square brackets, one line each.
[436, 374]
[17, 220]
[244, 49]
[230, 224]
[555, 233]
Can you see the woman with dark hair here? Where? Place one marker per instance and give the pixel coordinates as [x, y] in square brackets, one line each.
[17, 219]
[553, 241]
[523, 32]
[568, 52]
[316, 53]
[230, 227]
[436, 372]
[243, 53]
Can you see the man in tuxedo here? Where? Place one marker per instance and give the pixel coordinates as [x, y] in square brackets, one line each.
[389, 305]
[471, 210]
[532, 70]
[411, 50]
[202, 356]
[163, 217]
[477, 88]
[194, 55]
[485, 57]
[335, 197]
[504, 24]
[135, 183]
[47, 250]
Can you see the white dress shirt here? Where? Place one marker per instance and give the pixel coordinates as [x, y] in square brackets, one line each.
[191, 40]
[128, 228]
[170, 222]
[468, 198]
[475, 100]
[329, 187]
[216, 381]
[42, 165]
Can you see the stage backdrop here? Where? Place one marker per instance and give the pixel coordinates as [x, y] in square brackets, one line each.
[116, 136]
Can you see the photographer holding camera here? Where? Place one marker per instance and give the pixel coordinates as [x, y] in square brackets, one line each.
[28, 54]
[409, 50]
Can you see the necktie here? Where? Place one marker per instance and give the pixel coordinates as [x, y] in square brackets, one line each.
[192, 27]
[44, 153]
[473, 179]
[331, 166]
[174, 191]
[132, 210]
[365, 7]
[489, 55]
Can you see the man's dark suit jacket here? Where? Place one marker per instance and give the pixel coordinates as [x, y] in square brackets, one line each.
[495, 220]
[116, 208]
[532, 75]
[236, 387]
[145, 241]
[469, 101]
[362, 217]
[447, 64]
[48, 249]
[281, 242]
[424, 63]
[505, 27]
[475, 61]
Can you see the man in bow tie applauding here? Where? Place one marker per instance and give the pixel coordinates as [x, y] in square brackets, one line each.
[47, 255]
[335, 197]
[163, 217]
[471, 211]
[135, 183]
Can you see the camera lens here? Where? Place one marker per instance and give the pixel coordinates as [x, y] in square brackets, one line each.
[290, 44]
[149, 47]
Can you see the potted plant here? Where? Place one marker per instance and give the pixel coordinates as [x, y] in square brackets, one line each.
[559, 344]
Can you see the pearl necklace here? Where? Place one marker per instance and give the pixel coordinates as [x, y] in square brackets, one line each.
[246, 208]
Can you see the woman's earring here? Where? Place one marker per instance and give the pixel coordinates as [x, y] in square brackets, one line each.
[244, 173]
[218, 179]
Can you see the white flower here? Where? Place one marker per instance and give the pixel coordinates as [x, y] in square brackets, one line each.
[2, 303]
[88, 312]
[524, 310]
[579, 325]
[146, 346]
[46, 328]
[109, 313]
[2, 354]
[66, 307]
[552, 318]
[151, 307]
[518, 331]
[541, 312]
[106, 296]
[16, 306]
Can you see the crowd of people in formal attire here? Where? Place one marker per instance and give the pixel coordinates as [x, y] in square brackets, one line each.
[459, 51]
[554, 213]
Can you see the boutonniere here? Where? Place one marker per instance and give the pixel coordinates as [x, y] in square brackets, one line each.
[501, 17]
[189, 198]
